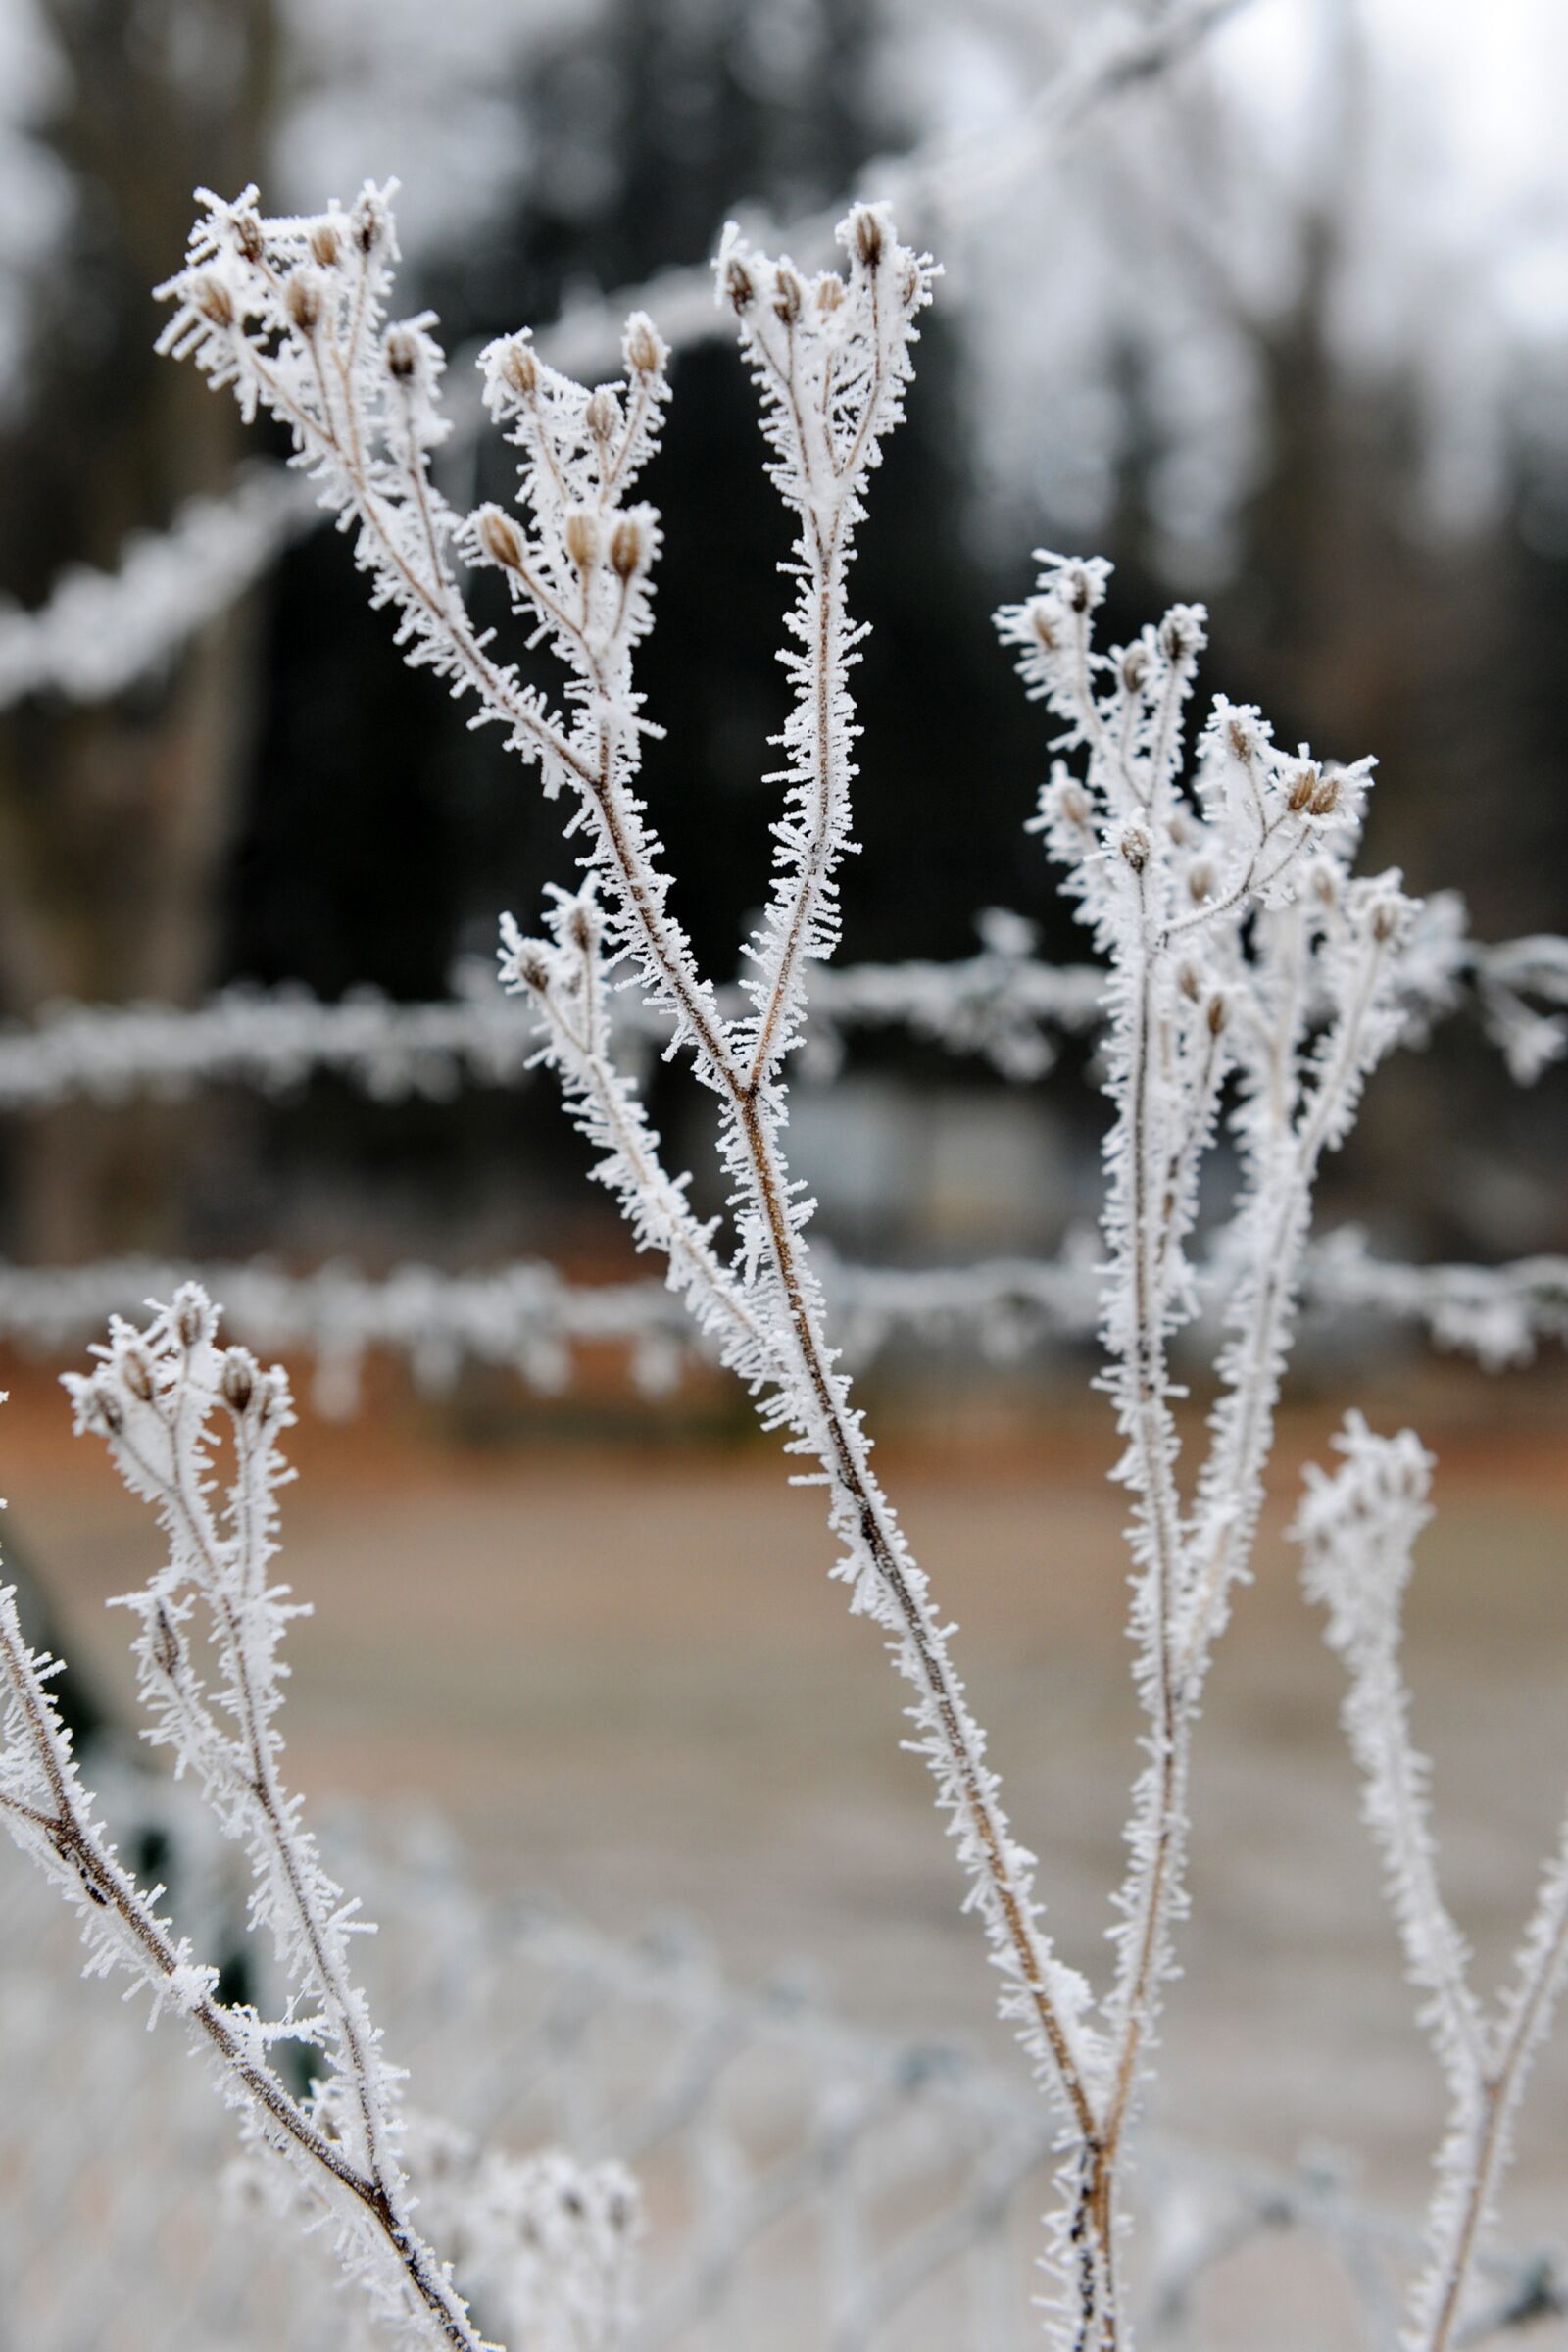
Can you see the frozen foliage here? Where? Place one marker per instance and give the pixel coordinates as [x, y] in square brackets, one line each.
[1357, 1530]
[1251, 974]
[170, 1403]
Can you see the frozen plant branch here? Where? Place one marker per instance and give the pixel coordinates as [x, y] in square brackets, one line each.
[165, 1398]
[1357, 1530]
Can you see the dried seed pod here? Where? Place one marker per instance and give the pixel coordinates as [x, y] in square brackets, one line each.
[602, 415]
[788, 295]
[500, 537]
[829, 292]
[136, 1374]
[868, 241]
[402, 348]
[1218, 1014]
[214, 300]
[645, 351]
[739, 290]
[1135, 847]
[302, 300]
[582, 539]
[1201, 878]
[325, 248]
[628, 547]
[239, 1380]
[248, 237]
[519, 368]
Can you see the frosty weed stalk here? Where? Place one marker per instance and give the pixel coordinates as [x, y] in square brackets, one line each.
[1248, 967]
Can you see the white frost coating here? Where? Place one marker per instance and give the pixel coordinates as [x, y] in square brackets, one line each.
[1357, 1530]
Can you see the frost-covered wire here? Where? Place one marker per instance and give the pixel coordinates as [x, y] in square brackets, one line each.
[101, 632]
[1357, 1530]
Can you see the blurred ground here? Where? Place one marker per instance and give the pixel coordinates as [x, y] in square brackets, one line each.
[623, 1675]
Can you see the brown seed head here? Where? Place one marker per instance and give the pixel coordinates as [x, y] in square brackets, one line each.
[213, 299]
[788, 295]
[302, 300]
[1218, 1013]
[239, 1380]
[520, 368]
[1326, 799]
[1175, 638]
[402, 349]
[582, 538]
[829, 292]
[500, 537]
[106, 1407]
[738, 287]
[1200, 880]
[867, 240]
[628, 547]
[1190, 981]
[191, 1322]
[1135, 847]
[1074, 805]
[645, 349]
[1385, 922]
[1238, 736]
[325, 248]
[1043, 621]
[1302, 788]
[531, 968]
[136, 1373]
[602, 414]
[248, 237]
[1134, 669]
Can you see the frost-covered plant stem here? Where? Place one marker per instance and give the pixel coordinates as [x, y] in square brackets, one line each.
[53, 1822]
[1357, 1530]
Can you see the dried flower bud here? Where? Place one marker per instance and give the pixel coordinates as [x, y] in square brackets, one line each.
[519, 369]
[371, 222]
[239, 1380]
[106, 1407]
[1385, 921]
[829, 292]
[248, 237]
[1218, 1014]
[909, 283]
[1177, 642]
[1179, 826]
[1080, 589]
[628, 547]
[499, 537]
[1326, 799]
[1135, 846]
[532, 967]
[602, 415]
[213, 299]
[738, 287]
[582, 538]
[1190, 982]
[324, 246]
[645, 351]
[302, 300]
[1302, 788]
[136, 1373]
[788, 295]
[1074, 805]
[1239, 737]
[868, 241]
[192, 1319]
[402, 348]
[1200, 880]
[1134, 668]
[1043, 621]
[582, 930]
